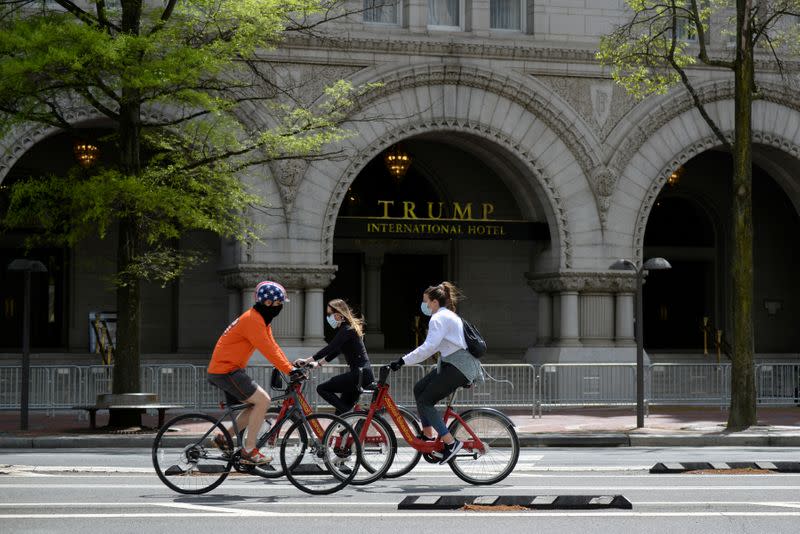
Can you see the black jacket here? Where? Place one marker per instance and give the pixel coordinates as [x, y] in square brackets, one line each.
[346, 342]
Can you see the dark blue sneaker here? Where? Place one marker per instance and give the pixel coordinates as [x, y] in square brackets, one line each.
[450, 452]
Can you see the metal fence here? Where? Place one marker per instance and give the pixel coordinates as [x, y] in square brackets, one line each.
[58, 387]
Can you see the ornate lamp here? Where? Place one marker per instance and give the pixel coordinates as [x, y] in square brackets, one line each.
[675, 177]
[86, 153]
[397, 161]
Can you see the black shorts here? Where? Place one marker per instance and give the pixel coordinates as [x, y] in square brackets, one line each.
[237, 385]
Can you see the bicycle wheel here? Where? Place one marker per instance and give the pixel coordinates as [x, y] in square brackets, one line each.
[406, 457]
[500, 453]
[272, 445]
[378, 446]
[185, 456]
[328, 451]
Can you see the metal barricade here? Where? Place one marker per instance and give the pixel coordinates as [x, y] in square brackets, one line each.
[97, 380]
[778, 384]
[9, 387]
[506, 386]
[174, 384]
[66, 386]
[688, 384]
[567, 384]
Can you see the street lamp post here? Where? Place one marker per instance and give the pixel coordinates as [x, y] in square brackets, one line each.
[27, 267]
[653, 264]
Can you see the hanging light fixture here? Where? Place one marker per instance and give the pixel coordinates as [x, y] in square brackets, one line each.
[675, 177]
[86, 153]
[397, 161]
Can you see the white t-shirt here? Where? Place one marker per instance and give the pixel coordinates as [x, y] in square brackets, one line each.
[445, 335]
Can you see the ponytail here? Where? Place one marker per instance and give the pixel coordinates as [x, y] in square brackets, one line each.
[446, 294]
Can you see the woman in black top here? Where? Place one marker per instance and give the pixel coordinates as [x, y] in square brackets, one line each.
[349, 341]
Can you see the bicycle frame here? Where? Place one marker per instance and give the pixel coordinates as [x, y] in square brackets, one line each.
[293, 402]
[382, 399]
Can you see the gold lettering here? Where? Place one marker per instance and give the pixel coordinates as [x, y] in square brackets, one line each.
[462, 212]
[488, 209]
[408, 210]
[430, 210]
[386, 204]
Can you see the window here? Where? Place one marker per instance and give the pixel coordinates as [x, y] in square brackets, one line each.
[382, 11]
[444, 13]
[505, 14]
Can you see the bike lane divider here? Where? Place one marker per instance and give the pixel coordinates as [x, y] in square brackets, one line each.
[531, 502]
[685, 467]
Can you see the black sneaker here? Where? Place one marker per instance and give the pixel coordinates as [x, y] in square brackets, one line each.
[450, 452]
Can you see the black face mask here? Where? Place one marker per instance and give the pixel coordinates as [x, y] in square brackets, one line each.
[268, 312]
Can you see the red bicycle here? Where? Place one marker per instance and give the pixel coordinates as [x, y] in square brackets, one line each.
[490, 444]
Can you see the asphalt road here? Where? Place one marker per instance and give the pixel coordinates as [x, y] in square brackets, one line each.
[121, 494]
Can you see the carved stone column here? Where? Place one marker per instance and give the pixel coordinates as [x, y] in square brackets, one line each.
[315, 311]
[623, 327]
[597, 318]
[545, 319]
[415, 15]
[570, 324]
[372, 314]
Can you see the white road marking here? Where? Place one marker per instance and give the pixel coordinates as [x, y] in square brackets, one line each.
[274, 485]
[528, 515]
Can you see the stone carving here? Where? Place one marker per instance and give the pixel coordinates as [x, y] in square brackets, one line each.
[288, 174]
[290, 276]
[599, 101]
[601, 94]
[590, 282]
[360, 160]
[449, 47]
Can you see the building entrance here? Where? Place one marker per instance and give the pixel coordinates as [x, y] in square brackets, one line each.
[403, 280]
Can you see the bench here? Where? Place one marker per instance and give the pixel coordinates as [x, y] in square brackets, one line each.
[127, 401]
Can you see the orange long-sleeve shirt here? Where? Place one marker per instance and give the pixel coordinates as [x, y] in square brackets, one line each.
[237, 344]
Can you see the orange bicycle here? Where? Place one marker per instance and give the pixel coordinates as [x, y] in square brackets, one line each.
[490, 444]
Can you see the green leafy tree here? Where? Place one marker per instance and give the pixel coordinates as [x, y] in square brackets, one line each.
[656, 50]
[176, 82]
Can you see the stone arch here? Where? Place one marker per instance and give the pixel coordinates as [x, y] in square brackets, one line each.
[531, 126]
[685, 136]
[556, 215]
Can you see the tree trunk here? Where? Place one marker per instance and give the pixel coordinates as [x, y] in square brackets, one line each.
[126, 357]
[743, 392]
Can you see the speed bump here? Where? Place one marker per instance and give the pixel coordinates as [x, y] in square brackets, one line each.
[682, 467]
[533, 502]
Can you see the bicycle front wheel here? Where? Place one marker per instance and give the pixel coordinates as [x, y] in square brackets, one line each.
[499, 454]
[321, 454]
[406, 457]
[187, 459]
[378, 446]
[269, 440]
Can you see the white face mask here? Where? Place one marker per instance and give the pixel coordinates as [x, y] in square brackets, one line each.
[332, 321]
[426, 309]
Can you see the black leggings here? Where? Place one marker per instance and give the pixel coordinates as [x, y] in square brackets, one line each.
[434, 387]
[347, 385]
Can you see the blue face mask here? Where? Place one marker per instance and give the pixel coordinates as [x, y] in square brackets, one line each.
[332, 321]
[425, 309]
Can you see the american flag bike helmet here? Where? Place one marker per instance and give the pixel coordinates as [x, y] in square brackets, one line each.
[270, 291]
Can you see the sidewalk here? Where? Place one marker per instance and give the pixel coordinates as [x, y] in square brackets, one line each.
[597, 427]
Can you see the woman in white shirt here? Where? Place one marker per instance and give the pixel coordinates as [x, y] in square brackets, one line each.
[457, 367]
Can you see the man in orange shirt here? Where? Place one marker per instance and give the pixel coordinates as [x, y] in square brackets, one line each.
[234, 348]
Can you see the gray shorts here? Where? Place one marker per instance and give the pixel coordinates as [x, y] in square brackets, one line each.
[237, 385]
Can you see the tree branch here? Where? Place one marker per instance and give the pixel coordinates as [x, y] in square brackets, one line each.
[701, 39]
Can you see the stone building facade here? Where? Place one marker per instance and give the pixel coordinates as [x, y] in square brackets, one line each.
[502, 104]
